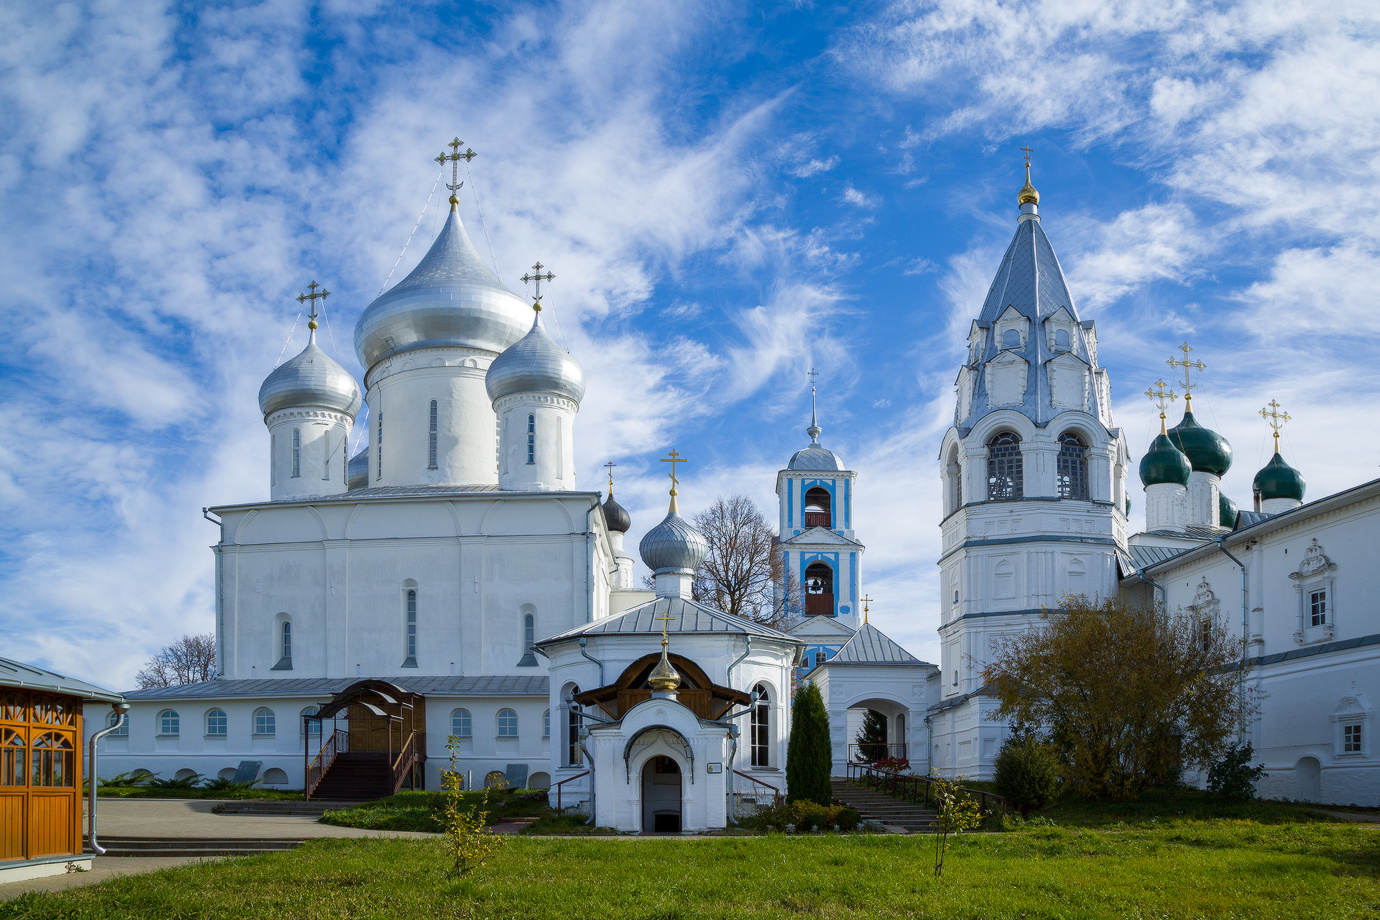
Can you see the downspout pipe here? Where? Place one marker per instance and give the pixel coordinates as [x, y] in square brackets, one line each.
[584, 748]
[1164, 598]
[91, 779]
[1245, 639]
[739, 660]
[584, 640]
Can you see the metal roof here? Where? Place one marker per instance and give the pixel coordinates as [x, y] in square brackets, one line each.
[1144, 556]
[688, 618]
[1249, 518]
[674, 545]
[870, 645]
[443, 685]
[18, 674]
[535, 364]
[310, 379]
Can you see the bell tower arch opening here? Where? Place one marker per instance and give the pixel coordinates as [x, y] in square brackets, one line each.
[819, 507]
[819, 589]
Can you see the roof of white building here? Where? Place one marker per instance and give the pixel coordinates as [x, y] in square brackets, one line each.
[438, 685]
[18, 674]
[688, 618]
[870, 645]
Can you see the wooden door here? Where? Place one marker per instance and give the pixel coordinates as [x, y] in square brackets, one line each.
[40, 775]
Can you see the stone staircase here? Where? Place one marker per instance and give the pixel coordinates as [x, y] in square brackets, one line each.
[878, 806]
[195, 846]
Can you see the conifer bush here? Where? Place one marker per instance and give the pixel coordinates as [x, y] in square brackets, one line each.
[1027, 772]
[809, 754]
[1232, 778]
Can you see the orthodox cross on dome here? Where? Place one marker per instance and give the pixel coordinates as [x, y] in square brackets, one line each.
[1189, 367]
[673, 459]
[814, 430]
[609, 466]
[665, 620]
[1161, 398]
[454, 158]
[1275, 419]
[310, 300]
[664, 677]
[538, 277]
[867, 600]
[1028, 194]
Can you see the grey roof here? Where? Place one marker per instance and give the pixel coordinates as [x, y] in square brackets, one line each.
[535, 364]
[1031, 281]
[444, 685]
[18, 674]
[688, 618]
[815, 457]
[1249, 518]
[1145, 556]
[450, 298]
[311, 378]
[673, 546]
[870, 645]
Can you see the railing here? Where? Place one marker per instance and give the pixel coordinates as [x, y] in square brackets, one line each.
[775, 793]
[917, 789]
[817, 519]
[871, 753]
[337, 743]
[403, 767]
[819, 605]
[558, 786]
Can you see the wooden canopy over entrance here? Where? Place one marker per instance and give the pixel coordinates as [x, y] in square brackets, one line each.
[697, 692]
[380, 749]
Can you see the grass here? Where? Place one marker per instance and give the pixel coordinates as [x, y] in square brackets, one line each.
[1231, 869]
[420, 811]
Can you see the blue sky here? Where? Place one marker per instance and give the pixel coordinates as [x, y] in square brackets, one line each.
[728, 193]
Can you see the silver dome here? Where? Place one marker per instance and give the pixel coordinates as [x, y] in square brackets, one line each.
[535, 364]
[357, 471]
[673, 546]
[450, 298]
[310, 379]
[815, 457]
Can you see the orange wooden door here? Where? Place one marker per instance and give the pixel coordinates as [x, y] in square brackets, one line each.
[40, 775]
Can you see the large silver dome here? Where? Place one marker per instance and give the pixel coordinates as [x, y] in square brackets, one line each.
[310, 379]
[450, 298]
[535, 364]
[815, 457]
[673, 546]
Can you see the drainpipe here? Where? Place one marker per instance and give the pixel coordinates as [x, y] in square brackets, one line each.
[732, 753]
[584, 748]
[739, 660]
[1245, 639]
[1164, 598]
[929, 739]
[583, 640]
[91, 780]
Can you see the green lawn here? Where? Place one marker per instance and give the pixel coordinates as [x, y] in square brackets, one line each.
[422, 811]
[1238, 870]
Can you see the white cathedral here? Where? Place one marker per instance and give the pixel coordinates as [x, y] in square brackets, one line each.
[451, 581]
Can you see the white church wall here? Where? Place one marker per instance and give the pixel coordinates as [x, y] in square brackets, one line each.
[892, 690]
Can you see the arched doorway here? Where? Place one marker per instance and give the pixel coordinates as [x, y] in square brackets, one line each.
[1308, 780]
[817, 508]
[819, 590]
[661, 796]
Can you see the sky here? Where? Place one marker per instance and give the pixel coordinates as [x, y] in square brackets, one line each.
[729, 194]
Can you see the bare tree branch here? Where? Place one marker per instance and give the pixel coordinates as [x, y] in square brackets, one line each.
[189, 660]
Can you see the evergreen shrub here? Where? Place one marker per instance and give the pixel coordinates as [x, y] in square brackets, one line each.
[1232, 778]
[1027, 772]
[809, 754]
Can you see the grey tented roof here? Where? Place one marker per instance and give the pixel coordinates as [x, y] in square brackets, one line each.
[443, 685]
[690, 618]
[1144, 556]
[18, 674]
[870, 645]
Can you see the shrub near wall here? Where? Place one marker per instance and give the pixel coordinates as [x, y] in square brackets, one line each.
[810, 754]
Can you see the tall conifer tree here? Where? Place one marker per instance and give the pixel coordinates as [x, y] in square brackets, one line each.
[809, 755]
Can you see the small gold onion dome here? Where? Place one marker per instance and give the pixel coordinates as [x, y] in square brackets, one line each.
[664, 677]
[1028, 193]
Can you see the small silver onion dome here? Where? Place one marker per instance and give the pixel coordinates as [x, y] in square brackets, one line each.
[357, 472]
[673, 546]
[450, 298]
[535, 364]
[616, 516]
[815, 456]
[310, 379]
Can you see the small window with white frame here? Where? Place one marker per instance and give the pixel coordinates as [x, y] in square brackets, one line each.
[265, 723]
[217, 724]
[1317, 607]
[507, 723]
[123, 730]
[1352, 737]
[169, 723]
[461, 726]
[1351, 723]
[546, 725]
[1316, 584]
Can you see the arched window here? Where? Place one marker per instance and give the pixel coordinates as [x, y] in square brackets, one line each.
[460, 724]
[296, 453]
[431, 439]
[168, 722]
[529, 636]
[818, 502]
[264, 722]
[573, 755]
[379, 474]
[953, 473]
[13, 757]
[123, 730]
[1011, 338]
[1072, 467]
[819, 590]
[217, 725]
[546, 724]
[761, 728]
[531, 439]
[507, 723]
[52, 760]
[411, 637]
[311, 728]
[1061, 339]
[287, 639]
[1005, 471]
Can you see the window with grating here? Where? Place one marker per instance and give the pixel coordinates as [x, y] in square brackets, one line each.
[1005, 470]
[1072, 468]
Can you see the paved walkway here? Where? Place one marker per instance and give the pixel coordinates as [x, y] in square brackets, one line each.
[171, 819]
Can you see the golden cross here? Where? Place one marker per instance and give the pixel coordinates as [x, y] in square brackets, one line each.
[673, 459]
[866, 601]
[1275, 419]
[665, 619]
[610, 465]
[454, 158]
[1188, 367]
[538, 278]
[311, 299]
[1162, 398]
[1027, 150]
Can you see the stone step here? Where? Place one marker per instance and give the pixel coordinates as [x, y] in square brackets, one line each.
[878, 806]
[196, 846]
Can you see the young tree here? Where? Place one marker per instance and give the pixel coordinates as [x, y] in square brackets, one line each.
[1129, 694]
[871, 739]
[189, 660]
[742, 566]
[809, 753]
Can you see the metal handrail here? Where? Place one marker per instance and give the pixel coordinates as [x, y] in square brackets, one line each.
[558, 786]
[338, 743]
[918, 789]
[873, 751]
[776, 793]
[407, 759]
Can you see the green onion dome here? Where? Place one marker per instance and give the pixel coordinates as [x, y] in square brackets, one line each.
[1226, 511]
[1164, 462]
[1207, 450]
[1279, 480]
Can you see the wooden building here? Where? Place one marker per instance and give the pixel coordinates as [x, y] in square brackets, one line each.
[41, 770]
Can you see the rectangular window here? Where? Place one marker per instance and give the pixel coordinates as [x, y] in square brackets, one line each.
[287, 639]
[1351, 739]
[573, 755]
[431, 439]
[379, 475]
[296, 453]
[411, 624]
[531, 439]
[1317, 607]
